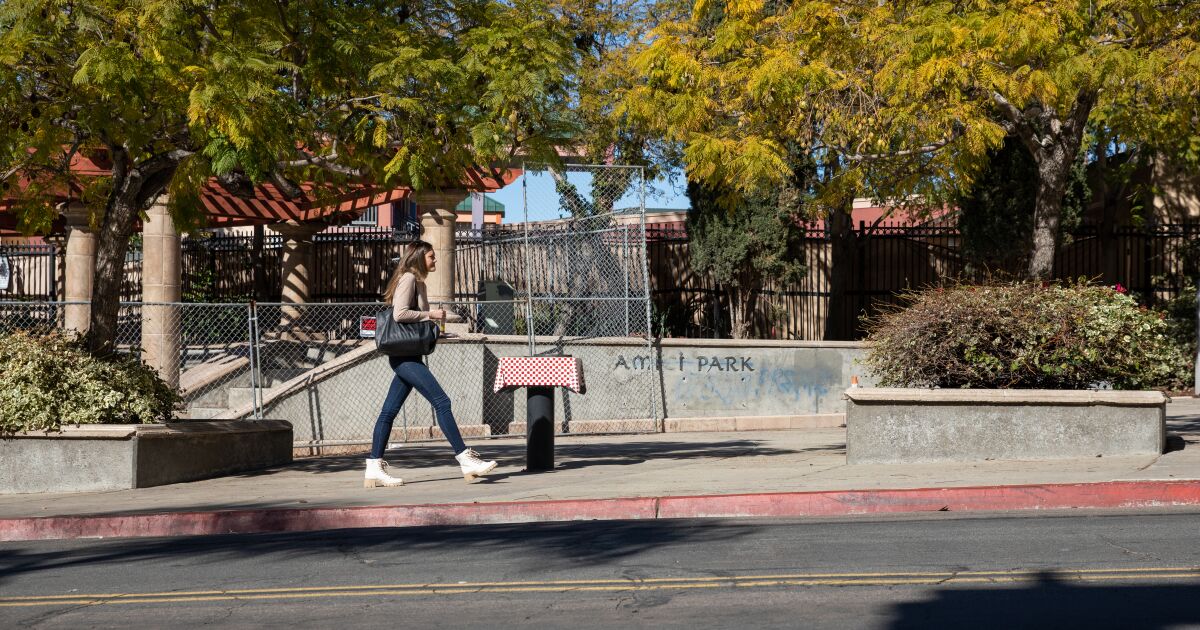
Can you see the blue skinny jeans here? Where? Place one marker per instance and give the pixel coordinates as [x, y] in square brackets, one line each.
[411, 372]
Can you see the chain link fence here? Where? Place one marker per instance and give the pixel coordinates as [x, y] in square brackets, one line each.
[587, 293]
[570, 280]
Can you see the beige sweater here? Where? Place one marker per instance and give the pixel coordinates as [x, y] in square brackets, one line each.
[402, 310]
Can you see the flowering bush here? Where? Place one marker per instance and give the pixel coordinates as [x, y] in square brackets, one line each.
[49, 380]
[1024, 335]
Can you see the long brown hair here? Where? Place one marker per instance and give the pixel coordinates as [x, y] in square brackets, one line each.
[413, 262]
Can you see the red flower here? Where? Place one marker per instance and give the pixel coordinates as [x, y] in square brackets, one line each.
[1118, 288]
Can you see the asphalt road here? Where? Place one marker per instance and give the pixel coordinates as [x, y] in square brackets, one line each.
[1066, 570]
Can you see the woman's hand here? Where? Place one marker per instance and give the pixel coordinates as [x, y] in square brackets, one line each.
[437, 313]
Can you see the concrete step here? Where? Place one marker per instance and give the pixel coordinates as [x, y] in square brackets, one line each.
[202, 413]
[216, 397]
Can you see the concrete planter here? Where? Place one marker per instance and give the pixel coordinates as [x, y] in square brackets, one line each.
[902, 426]
[94, 458]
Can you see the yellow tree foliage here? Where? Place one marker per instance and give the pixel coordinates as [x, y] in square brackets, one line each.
[904, 100]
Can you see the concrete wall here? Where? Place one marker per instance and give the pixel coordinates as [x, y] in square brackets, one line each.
[905, 426]
[94, 458]
[713, 377]
[699, 379]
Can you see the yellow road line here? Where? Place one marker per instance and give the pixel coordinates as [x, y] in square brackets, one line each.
[563, 586]
[936, 575]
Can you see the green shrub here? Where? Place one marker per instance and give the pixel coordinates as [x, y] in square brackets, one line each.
[50, 380]
[1024, 335]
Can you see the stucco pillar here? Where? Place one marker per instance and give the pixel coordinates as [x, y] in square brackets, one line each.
[437, 228]
[80, 266]
[298, 271]
[161, 291]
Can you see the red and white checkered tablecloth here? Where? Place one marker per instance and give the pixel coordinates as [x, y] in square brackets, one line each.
[540, 371]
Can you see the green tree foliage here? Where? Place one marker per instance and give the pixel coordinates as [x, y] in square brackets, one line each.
[170, 95]
[744, 247]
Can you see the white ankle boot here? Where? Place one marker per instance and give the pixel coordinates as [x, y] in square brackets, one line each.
[472, 466]
[377, 475]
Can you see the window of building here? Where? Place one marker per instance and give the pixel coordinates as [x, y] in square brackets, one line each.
[370, 216]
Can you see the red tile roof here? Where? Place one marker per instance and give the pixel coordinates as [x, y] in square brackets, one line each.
[269, 205]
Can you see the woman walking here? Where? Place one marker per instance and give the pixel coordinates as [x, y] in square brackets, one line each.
[410, 303]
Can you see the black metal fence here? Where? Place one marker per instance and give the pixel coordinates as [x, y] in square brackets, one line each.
[880, 262]
[34, 271]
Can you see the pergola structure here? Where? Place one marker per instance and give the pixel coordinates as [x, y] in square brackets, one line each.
[297, 219]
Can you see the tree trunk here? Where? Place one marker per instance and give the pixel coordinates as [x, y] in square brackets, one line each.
[1053, 169]
[133, 186]
[112, 244]
[841, 257]
[743, 302]
[1109, 252]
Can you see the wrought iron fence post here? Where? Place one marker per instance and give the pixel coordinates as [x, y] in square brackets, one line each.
[252, 346]
[625, 263]
[529, 329]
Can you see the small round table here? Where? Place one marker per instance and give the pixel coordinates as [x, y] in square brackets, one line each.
[539, 376]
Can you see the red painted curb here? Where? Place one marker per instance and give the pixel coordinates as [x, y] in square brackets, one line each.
[1116, 494]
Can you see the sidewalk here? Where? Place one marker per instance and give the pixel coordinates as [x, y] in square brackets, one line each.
[751, 473]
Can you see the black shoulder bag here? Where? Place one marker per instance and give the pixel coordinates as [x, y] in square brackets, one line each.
[404, 339]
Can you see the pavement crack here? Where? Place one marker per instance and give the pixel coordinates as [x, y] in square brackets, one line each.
[354, 554]
[1127, 550]
[953, 574]
[1152, 462]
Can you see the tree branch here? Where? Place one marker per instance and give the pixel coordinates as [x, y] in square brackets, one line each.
[1019, 125]
[1081, 110]
[286, 186]
[929, 148]
[568, 190]
[21, 166]
[327, 163]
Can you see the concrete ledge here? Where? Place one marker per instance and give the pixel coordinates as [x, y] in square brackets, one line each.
[594, 426]
[755, 423]
[667, 342]
[690, 425]
[466, 430]
[196, 380]
[1007, 396]
[903, 426]
[120, 457]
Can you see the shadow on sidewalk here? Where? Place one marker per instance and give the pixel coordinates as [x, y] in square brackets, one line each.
[567, 456]
[552, 546]
[1051, 603]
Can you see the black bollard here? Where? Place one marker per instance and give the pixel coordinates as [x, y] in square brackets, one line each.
[539, 432]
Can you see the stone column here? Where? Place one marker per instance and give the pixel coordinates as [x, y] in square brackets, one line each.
[161, 290]
[437, 228]
[297, 273]
[80, 268]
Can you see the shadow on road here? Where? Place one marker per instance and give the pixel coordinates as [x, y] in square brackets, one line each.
[1051, 603]
[552, 545]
